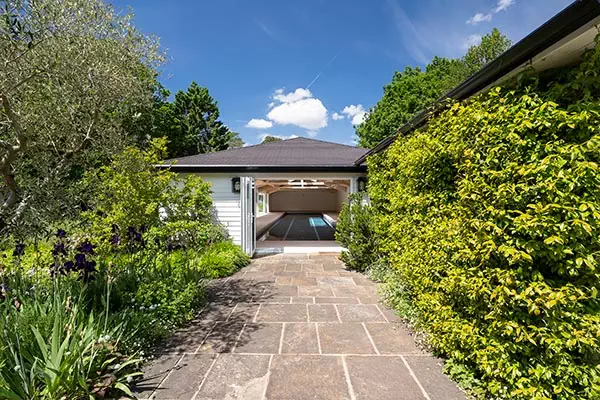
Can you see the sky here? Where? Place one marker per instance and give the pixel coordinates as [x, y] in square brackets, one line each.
[314, 68]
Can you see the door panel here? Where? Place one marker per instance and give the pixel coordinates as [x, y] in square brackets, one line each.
[248, 206]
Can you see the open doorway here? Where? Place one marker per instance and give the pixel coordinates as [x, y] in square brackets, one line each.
[299, 212]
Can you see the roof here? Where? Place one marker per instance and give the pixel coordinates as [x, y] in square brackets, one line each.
[558, 42]
[298, 154]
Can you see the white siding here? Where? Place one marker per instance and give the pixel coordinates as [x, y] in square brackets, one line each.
[227, 205]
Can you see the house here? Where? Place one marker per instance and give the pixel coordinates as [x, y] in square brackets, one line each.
[286, 195]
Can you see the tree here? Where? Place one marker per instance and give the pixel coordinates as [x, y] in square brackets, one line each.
[236, 141]
[490, 47]
[70, 70]
[415, 89]
[270, 139]
[195, 126]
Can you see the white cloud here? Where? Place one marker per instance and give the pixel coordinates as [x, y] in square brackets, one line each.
[255, 123]
[337, 116]
[262, 137]
[307, 113]
[471, 40]
[291, 97]
[479, 18]
[271, 105]
[355, 112]
[503, 5]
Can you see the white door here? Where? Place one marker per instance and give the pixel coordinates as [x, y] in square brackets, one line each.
[248, 203]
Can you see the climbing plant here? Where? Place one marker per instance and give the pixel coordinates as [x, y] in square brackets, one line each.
[490, 217]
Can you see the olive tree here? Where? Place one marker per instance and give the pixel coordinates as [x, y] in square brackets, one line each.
[71, 72]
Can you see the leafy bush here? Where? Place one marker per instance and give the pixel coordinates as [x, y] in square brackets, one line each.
[81, 307]
[131, 196]
[223, 259]
[490, 216]
[354, 231]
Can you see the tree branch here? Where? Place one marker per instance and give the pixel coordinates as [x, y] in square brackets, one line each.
[12, 151]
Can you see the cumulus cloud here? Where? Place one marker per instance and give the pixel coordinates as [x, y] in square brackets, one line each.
[503, 5]
[292, 97]
[297, 107]
[356, 113]
[259, 123]
[309, 114]
[479, 18]
[337, 116]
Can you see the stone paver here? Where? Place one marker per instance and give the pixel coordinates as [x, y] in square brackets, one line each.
[294, 327]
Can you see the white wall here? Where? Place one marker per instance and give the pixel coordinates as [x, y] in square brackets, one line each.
[342, 197]
[306, 200]
[227, 205]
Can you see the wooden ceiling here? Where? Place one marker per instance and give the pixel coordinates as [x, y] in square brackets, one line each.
[274, 185]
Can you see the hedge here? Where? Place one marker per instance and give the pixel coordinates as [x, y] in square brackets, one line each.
[490, 217]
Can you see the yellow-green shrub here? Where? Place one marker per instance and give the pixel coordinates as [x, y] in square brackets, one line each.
[491, 217]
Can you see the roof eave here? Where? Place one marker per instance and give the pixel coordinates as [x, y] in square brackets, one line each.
[569, 20]
[262, 168]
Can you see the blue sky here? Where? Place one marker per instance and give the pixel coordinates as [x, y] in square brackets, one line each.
[313, 67]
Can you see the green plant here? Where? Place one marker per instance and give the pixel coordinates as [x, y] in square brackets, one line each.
[490, 216]
[222, 259]
[53, 346]
[354, 231]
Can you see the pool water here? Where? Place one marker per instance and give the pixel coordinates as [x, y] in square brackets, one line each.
[300, 227]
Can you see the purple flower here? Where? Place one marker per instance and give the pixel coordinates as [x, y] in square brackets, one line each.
[115, 240]
[61, 233]
[86, 247]
[19, 250]
[59, 248]
[69, 266]
[3, 291]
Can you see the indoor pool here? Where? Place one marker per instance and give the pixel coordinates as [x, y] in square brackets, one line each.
[300, 227]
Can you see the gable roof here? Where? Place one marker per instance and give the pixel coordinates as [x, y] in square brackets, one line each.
[558, 42]
[298, 154]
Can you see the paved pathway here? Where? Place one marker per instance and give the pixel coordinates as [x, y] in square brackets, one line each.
[295, 327]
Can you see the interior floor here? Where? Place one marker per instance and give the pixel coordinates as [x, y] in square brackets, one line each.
[300, 226]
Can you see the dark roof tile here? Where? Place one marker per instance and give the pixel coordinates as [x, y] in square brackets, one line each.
[298, 152]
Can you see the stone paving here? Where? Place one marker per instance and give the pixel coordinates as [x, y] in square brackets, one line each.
[295, 327]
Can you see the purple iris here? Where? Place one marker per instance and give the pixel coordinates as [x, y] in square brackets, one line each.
[61, 233]
[19, 250]
[3, 291]
[59, 248]
[115, 240]
[69, 266]
[86, 247]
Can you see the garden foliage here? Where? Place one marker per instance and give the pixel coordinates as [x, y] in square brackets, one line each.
[490, 219]
[354, 231]
[80, 308]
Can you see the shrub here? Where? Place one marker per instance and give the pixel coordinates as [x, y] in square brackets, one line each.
[131, 196]
[354, 231]
[491, 217]
[223, 259]
[82, 306]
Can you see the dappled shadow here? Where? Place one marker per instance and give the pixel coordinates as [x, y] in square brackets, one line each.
[225, 323]
[231, 304]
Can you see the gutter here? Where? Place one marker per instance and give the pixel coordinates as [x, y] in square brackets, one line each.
[262, 168]
[569, 20]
